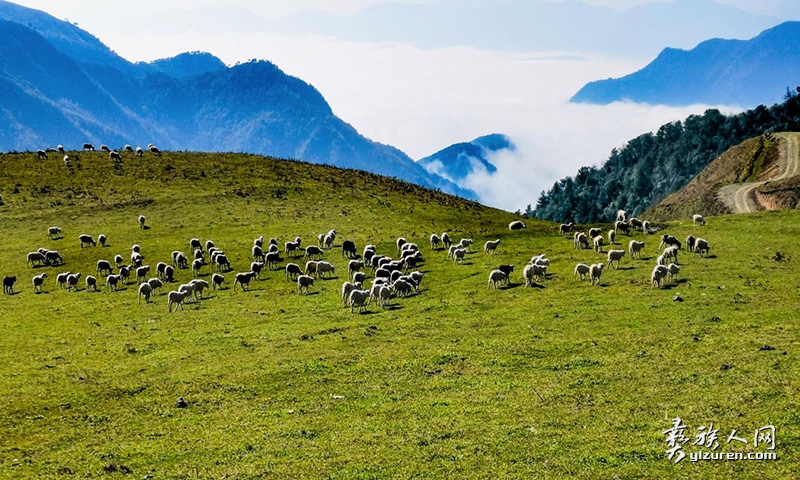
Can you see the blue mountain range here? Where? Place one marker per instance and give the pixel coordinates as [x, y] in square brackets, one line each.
[61, 85]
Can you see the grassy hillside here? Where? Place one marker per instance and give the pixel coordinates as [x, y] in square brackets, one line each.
[747, 162]
[458, 381]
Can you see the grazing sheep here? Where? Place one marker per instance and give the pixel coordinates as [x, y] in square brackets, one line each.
[161, 268]
[597, 241]
[8, 284]
[490, 247]
[182, 261]
[141, 221]
[496, 277]
[667, 240]
[323, 268]
[223, 264]
[145, 289]
[88, 146]
[349, 249]
[581, 241]
[256, 268]
[348, 287]
[102, 239]
[128, 148]
[175, 298]
[38, 282]
[435, 241]
[216, 281]
[290, 247]
[458, 255]
[635, 249]
[402, 288]
[671, 252]
[646, 227]
[197, 264]
[623, 227]
[243, 279]
[540, 260]
[155, 284]
[516, 225]
[114, 156]
[209, 246]
[690, 243]
[658, 275]
[465, 243]
[595, 271]
[359, 277]
[565, 228]
[141, 273]
[61, 279]
[54, 232]
[259, 241]
[320, 239]
[60, 149]
[383, 296]
[125, 273]
[507, 269]
[311, 267]
[622, 215]
[446, 240]
[354, 266]
[411, 262]
[139, 152]
[673, 271]
[661, 260]
[313, 251]
[701, 246]
[118, 260]
[395, 275]
[303, 283]
[376, 261]
[103, 266]
[72, 280]
[533, 272]
[35, 259]
[327, 240]
[169, 273]
[595, 231]
[136, 259]
[612, 237]
[409, 248]
[91, 283]
[582, 269]
[154, 150]
[359, 299]
[53, 258]
[272, 259]
[199, 286]
[400, 242]
[636, 223]
[698, 219]
[104, 148]
[112, 281]
[383, 273]
[86, 240]
[293, 270]
[615, 256]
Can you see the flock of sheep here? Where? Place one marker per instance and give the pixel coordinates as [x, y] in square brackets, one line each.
[114, 155]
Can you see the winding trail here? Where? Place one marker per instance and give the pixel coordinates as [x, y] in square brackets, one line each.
[740, 197]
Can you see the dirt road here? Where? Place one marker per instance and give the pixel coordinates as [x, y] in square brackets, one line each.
[741, 198]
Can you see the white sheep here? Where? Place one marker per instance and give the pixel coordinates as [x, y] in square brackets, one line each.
[595, 271]
[435, 241]
[325, 267]
[256, 268]
[659, 272]
[216, 281]
[54, 232]
[145, 290]
[402, 288]
[615, 256]
[112, 281]
[61, 279]
[612, 237]
[243, 279]
[451, 250]
[354, 266]
[35, 258]
[458, 255]
[701, 246]
[102, 239]
[635, 249]
[516, 225]
[661, 260]
[565, 228]
[155, 284]
[359, 277]
[141, 221]
[581, 241]
[187, 288]
[465, 243]
[622, 215]
[139, 151]
[383, 296]
[196, 266]
[359, 299]
[313, 251]
[348, 287]
[293, 270]
[671, 252]
[673, 271]
[199, 286]
[303, 283]
[38, 282]
[175, 298]
[72, 281]
[533, 272]
[491, 246]
[646, 227]
[91, 283]
[597, 241]
[327, 242]
[582, 269]
[446, 240]
[141, 273]
[698, 219]
[118, 260]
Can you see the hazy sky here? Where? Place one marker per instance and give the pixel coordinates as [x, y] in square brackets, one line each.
[419, 100]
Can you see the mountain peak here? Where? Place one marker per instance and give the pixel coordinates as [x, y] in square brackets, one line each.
[188, 64]
[460, 160]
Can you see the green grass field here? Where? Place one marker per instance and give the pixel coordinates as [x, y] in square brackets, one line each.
[459, 381]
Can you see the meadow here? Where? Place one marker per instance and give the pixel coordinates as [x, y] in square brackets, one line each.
[563, 380]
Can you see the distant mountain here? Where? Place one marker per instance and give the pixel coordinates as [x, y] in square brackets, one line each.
[525, 25]
[62, 86]
[458, 161]
[716, 72]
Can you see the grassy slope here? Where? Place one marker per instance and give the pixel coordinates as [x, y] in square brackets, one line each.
[745, 162]
[458, 381]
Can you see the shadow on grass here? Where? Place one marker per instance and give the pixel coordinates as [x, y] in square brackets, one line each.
[625, 268]
[145, 227]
